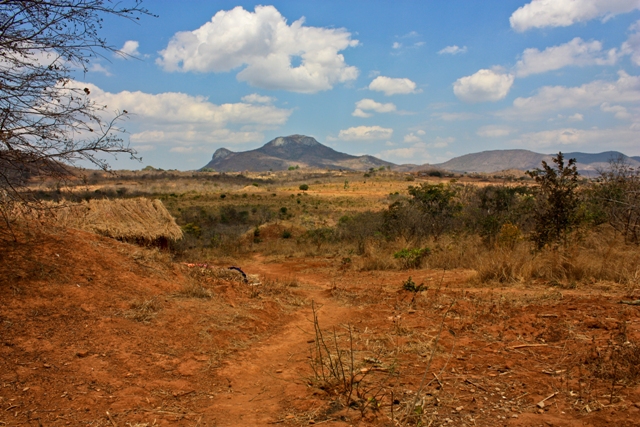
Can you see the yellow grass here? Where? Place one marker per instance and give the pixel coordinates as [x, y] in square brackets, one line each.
[139, 219]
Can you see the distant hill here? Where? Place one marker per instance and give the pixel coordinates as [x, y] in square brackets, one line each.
[304, 151]
[498, 160]
[286, 151]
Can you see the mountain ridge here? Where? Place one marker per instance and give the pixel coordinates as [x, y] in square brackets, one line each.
[299, 150]
[285, 151]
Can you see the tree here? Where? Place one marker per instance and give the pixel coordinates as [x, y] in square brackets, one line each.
[47, 120]
[557, 201]
[617, 194]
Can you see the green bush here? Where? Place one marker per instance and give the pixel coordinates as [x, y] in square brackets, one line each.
[411, 258]
[304, 187]
[557, 202]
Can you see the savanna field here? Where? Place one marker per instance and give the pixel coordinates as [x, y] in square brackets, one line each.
[377, 299]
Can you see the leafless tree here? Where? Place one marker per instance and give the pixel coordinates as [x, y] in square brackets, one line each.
[47, 120]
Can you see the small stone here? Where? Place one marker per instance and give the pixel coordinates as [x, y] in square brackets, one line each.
[82, 353]
[279, 371]
[289, 417]
[459, 408]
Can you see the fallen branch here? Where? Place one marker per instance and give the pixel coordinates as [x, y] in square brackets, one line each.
[527, 345]
[111, 419]
[635, 302]
[468, 381]
[541, 403]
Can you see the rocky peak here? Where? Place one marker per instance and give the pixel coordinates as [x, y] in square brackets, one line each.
[282, 141]
[221, 153]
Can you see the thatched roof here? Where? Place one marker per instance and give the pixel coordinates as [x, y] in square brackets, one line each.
[137, 219]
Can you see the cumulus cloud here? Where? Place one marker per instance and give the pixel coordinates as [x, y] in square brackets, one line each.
[414, 137]
[396, 45]
[441, 142]
[254, 98]
[365, 133]
[454, 117]
[554, 98]
[485, 85]
[563, 13]
[453, 50]
[577, 52]
[390, 86]
[99, 68]
[265, 45]
[577, 117]
[185, 120]
[366, 104]
[416, 154]
[631, 46]
[130, 48]
[493, 131]
[618, 111]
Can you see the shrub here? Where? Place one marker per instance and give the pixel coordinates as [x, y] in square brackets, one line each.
[410, 285]
[411, 258]
[557, 201]
[304, 187]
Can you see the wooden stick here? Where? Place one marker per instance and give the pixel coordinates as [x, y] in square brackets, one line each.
[527, 345]
[111, 419]
[475, 385]
[437, 379]
[541, 403]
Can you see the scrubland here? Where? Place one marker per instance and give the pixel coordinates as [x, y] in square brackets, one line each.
[383, 299]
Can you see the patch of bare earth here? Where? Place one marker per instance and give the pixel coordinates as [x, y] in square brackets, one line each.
[96, 332]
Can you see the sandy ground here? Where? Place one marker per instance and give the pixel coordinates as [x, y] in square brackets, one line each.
[99, 333]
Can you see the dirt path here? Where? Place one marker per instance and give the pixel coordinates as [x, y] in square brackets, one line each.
[267, 383]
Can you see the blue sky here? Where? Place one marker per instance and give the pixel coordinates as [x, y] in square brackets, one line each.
[406, 81]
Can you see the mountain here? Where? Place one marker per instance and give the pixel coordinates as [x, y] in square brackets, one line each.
[498, 160]
[495, 160]
[286, 151]
[304, 151]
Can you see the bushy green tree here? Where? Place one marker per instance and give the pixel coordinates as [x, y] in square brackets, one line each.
[557, 201]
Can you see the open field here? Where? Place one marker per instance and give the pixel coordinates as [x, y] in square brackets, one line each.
[477, 330]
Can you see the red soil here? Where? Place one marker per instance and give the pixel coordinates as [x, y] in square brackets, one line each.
[78, 348]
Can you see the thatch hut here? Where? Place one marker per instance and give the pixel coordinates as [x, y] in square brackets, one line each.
[138, 220]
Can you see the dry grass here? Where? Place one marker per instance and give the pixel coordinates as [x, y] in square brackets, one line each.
[143, 310]
[139, 220]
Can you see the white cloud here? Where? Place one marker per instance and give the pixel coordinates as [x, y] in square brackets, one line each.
[493, 131]
[130, 48]
[414, 137]
[632, 45]
[396, 45]
[554, 98]
[453, 50]
[576, 52]
[370, 105]
[411, 137]
[391, 86]
[441, 142]
[453, 117]
[181, 119]
[365, 133]
[265, 44]
[416, 154]
[618, 111]
[577, 117]
[255, 98]
[485, 85]
[594, 139]
[144, 148]
[563, 13]
[98, 68]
